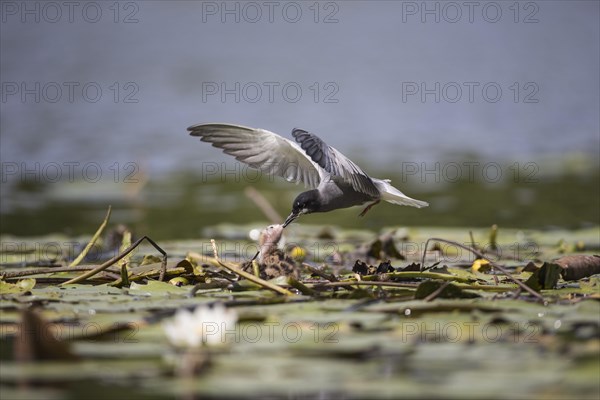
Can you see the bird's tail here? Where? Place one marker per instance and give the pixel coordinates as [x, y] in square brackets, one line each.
[394, 196]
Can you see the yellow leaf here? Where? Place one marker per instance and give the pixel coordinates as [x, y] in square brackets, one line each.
[480, 265]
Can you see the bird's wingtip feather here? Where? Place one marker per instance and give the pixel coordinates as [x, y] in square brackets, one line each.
[214, 125]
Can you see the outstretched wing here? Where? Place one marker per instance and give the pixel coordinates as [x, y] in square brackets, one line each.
[335, 163]
[263, 150]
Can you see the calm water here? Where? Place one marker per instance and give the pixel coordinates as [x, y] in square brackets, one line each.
[356, 77]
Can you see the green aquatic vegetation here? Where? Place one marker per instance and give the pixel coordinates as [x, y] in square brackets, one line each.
[449, 331]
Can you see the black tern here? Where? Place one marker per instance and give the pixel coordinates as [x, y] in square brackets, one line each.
[335, 181]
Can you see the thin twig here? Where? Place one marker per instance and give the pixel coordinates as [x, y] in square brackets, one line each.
[295, 283]
[415, 275]
[119, 257]
[246, 275]
[16, 274]
[124, 278]
[206, 286]
[91, 243]
[493, 237]
[255, 268]
[205, 259]
[365, 283]
[25, 264]
[318, 272]
[472, 240]
[492, 263]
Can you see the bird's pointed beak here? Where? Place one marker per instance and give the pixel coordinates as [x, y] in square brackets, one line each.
[290, 219]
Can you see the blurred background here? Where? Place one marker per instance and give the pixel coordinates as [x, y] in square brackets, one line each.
[488, 111]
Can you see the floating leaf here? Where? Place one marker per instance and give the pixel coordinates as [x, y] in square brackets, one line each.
[22, 286]
[415, 267]
[530, 267]
[384, 267]
[360, 268]
[175, 267]
[179, 281]
[575, 267]
[150, 259]
[545, 278]
[450, 291]
[153, 288]
[480, 265]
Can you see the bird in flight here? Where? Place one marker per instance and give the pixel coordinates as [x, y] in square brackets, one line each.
[334, 180]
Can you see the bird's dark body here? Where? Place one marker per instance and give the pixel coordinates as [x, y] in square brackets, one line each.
[341, 195]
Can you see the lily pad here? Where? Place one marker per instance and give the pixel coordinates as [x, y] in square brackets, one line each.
[22, 286]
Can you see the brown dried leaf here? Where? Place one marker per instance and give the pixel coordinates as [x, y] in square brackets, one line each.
[576, 267]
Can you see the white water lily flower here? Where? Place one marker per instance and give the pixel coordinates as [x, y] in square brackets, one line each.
[205, 325]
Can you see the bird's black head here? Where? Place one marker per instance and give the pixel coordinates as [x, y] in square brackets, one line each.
[306, 203]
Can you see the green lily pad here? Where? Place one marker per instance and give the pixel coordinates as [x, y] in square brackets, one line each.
[22, 286]
[449, 291]
[156, 288]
